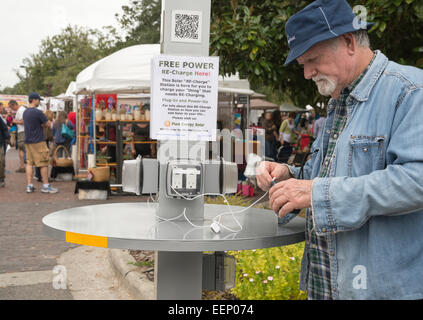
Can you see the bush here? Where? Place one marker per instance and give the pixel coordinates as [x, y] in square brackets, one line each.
[269, 274]
[266, 274]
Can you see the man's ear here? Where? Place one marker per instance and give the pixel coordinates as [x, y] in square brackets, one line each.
[350, 43]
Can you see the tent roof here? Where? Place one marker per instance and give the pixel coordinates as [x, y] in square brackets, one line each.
[262, 104]
[288, 107]
[71, 90]
[128, 71]
[257, 95]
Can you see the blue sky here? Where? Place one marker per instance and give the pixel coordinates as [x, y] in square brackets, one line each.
[24, 23]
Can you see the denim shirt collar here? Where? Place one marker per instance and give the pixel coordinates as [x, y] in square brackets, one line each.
[362, 90]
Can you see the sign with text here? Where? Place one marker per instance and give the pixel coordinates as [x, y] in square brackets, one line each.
[184, 98]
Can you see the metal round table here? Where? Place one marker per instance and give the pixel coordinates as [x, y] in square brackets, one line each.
[179, 245]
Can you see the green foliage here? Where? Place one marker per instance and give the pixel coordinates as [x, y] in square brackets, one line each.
[141, 21]
[269, 274]
[281, 264]
[249, 36]
[61, 57]
[234, 200]
[398, 29]
[148, 264]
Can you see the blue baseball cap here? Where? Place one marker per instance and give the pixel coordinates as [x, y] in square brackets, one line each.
[34, 95]
[321, 20]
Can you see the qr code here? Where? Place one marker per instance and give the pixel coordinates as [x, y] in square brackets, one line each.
[186, 26]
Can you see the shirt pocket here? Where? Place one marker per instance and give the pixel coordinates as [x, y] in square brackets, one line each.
[314, 163]
[366, 155]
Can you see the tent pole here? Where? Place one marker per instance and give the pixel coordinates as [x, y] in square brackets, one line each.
[77, 133]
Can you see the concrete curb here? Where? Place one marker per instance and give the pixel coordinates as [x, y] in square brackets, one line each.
[130, 276]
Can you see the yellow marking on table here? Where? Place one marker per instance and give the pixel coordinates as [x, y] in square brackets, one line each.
[86, 239]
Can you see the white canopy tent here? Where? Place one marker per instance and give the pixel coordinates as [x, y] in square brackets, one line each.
[69, 95]
[128, 71]
[56, 104]
[71, 90]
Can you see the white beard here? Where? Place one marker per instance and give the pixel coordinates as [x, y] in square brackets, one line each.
[326, 86]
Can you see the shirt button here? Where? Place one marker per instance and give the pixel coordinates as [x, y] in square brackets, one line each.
[326, 163]
[335, 136]
[332, 253]
[324, 230]
[365, 149]
[328, 132]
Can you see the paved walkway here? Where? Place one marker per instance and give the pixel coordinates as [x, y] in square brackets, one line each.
[24, 249]
[28, 257]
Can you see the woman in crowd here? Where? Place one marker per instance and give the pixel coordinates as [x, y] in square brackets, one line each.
[305, 133]
[286, 132]
[270, 139]
[59, 139]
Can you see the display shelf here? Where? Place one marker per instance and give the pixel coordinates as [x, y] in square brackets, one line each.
[105, 142]
[111, 121]
[107, 164]
[140, 142]
[81, 176]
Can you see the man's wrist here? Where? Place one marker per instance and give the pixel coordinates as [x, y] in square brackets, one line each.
[290, 174]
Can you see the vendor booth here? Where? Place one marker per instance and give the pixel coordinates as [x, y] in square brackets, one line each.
[122, 80]
[20, 99]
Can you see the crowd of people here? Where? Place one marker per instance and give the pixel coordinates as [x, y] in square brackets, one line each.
[35, 134]
[289, 131]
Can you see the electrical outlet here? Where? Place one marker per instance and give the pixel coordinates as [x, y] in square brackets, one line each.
[191, 181]
[177, 180]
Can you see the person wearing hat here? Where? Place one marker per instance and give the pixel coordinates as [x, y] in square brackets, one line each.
[362, 187]
[37, 152]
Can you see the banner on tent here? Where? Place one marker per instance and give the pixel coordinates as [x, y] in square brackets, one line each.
[184, 98]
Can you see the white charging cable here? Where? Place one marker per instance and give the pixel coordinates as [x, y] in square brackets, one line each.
[148, 200]
[245, 209]
[174, 218]
[215, 225]
[221, 214]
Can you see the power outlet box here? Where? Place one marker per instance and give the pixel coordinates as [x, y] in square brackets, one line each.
[184, 179]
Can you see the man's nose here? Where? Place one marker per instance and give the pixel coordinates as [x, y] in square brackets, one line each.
[309, 72]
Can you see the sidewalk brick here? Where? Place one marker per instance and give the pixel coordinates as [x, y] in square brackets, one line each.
[23, 246]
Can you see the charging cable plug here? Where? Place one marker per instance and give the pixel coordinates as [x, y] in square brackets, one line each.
[215, 227]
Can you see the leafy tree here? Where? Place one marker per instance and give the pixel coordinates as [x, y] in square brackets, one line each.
[60, 58]
[141, 21]
[249, 36]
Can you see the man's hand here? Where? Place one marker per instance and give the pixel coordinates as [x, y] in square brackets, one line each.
[266, 171]
[291, 194]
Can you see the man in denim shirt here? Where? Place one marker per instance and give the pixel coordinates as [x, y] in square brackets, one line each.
[363, 185]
